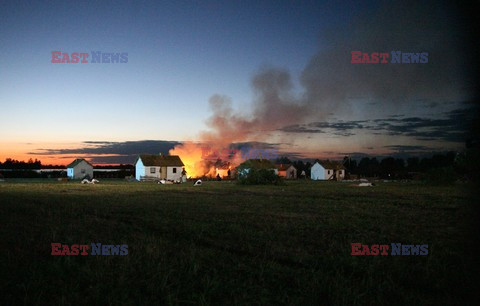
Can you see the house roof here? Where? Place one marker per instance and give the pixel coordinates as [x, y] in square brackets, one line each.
[257, 164]
[161, 160]
[330, 164]
[76, 162]
[283, 167]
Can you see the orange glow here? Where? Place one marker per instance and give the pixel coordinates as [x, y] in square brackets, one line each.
[26, 151]
[192, 155]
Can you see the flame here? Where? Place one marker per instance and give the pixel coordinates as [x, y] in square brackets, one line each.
[194, 156]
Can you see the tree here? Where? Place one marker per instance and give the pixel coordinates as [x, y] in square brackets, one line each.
[283, 160]
[413, 164]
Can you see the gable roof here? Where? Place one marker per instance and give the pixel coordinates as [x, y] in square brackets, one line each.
[160, 160]
[257, 164]
[330, 164]
[284, 167]
[77, 161]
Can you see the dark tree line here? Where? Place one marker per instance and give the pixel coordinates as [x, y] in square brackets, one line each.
[16, 164]
[13, 168]
[392, 168]
[396, 168]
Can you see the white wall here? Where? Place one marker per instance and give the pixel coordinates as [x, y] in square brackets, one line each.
[76, 172]
[139, 169]
[174, 176]
[150, 174]
[317, 172]
[329, 173]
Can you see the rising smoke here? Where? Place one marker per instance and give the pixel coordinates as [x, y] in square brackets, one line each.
[330, 81]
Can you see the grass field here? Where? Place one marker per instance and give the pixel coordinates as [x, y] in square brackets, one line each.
[226, 243]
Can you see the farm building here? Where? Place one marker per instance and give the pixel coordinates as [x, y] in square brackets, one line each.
[287, 171]
[327, 170]
[79, 169]
[257, 164]
[169, 167]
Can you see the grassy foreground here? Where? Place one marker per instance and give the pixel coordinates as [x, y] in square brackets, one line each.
[225, 243]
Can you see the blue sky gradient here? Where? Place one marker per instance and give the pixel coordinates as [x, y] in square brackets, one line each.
[180, 53]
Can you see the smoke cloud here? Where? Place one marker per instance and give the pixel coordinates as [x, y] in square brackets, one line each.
[330, 81]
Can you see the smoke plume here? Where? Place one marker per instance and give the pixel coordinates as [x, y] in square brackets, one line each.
[330, 82]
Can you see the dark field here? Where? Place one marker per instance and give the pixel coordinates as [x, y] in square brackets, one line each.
[225, 243]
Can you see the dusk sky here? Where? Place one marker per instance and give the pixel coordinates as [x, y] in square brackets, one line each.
[273, 72]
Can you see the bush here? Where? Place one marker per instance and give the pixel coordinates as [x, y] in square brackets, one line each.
[441, 176]
[260, 177]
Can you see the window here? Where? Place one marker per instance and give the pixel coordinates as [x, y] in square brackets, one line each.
[174, 170]
[152, 170]
[328, 171]
[83, 171]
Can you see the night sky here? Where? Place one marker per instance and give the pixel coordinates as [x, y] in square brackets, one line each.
[273, 72]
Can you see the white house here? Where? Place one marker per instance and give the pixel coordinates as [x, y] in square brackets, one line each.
[327, 170]
[79, 169]
[169, 167]
[287, 171]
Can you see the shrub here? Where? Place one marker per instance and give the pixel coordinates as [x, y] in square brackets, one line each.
[260, 177]
[441, 176]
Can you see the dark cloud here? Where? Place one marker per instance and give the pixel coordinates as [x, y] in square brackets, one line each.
[120, 148]
[453, 126]
[122, 159]
[107, 152]
[340, 127]
[402, 154]
[408, 148]
[254, 144]
[123, 152]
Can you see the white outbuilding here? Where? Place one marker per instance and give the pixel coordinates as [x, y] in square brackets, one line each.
[79, 169]
[327, 170]
[157, 167]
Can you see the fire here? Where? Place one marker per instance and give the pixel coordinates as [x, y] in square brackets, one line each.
[191, 155]
[197, 163]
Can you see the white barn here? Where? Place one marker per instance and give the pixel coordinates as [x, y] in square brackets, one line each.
[169, 167]
[79, 169]
[327, 170]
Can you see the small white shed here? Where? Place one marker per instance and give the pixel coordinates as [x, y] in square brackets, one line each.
[79, 169]
[327, 170]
